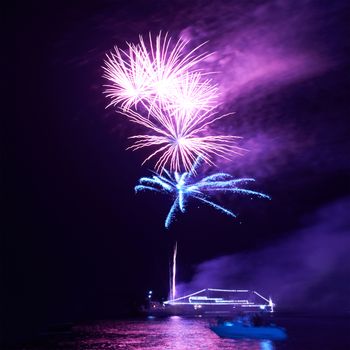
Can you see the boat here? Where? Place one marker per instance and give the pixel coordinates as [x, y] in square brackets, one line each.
[237, 329]
[213, 302]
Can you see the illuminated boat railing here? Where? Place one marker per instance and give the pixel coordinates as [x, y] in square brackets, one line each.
[224, 297]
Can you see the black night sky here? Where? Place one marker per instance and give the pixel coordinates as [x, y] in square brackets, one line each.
[79, 244]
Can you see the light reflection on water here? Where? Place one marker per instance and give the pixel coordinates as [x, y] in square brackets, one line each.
[161, 334]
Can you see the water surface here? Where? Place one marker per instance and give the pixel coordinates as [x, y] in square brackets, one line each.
[178, 333]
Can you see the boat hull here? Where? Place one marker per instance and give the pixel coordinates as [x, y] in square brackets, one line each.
[237, 331]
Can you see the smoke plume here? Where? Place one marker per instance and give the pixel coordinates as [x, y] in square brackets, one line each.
[307, 271]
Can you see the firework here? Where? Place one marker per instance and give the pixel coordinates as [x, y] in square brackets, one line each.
[173, 289]
[183, 187]
[157, 73]
[177, 102]
[128, 76]
[177, 139]
[190, 94]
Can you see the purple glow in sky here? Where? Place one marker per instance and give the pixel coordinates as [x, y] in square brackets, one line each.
[258, 51]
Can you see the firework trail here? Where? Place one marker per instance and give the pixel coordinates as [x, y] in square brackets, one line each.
[174, 273]
[182, 187]
[180, 104]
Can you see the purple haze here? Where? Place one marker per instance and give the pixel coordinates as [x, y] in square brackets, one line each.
[263, 54]
[258, 49]
[307, 271]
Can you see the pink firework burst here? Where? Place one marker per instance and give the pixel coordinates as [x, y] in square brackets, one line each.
[163, 77]
[157, 73]
[179, 138]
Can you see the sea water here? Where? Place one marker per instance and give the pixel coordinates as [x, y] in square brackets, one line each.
[179, 333]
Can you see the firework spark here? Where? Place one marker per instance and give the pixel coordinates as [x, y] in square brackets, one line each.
[183, 187]
[157, 73]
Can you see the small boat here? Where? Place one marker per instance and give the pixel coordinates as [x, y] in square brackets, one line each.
[240, 330]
